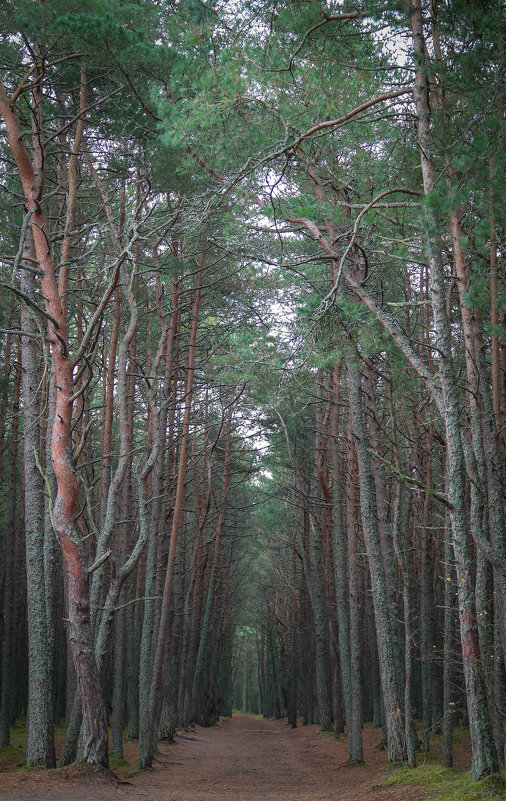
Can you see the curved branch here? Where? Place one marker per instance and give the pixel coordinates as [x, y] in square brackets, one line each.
[31, 303]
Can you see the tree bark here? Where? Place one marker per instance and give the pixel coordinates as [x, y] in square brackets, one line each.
[354, 721]
[148, 705]
[484, 759]
[31, 175]
[388, 669]
[39, 736]
[9, 584]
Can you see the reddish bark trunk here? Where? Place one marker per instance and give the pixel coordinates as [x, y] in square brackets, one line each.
[31, 176]
[147, 736]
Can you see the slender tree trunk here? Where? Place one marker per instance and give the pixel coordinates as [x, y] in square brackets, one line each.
[107, 428]
[31, 175]
[4, 390]
[486, 477]
[388, 670]
[497, 344]
[9, 599]
[499, 690]
[449, 708]
[39, 738]
[214, 576]
[148, 712]
[134, 613]
[315, 570]
[119, 703]
[401, 524]
[484, 760]
[380, 489]
[119, 684]
[354, 722]
[426, 602]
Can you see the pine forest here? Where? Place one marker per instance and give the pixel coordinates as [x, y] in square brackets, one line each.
[252, 374]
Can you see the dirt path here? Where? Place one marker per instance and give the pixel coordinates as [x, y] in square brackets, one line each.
[241, 759]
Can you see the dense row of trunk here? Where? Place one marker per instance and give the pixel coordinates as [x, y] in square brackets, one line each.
[115, 513]
[407, 665]
[150, 577]
[161, 653]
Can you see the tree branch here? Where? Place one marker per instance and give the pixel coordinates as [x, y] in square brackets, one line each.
[30, 302]
[439, 496]
[100, 561]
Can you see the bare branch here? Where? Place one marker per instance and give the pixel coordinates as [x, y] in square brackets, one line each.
[30, 302]
[439, 496]
[100, 561]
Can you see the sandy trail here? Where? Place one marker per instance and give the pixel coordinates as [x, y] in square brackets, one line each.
[241, 759]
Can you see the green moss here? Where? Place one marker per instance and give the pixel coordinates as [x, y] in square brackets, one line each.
[428, 757]
[18, 733]
[444, 784]
[460, 735]
[135, 773]
[11, 756]
[117, 763]
[20, 767]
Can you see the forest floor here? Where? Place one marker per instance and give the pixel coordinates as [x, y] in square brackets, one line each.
[243, 758]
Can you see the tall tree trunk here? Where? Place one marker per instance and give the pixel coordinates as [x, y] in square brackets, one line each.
[4, 387]
[486, 478]
[389, 671]
[426, 602]
[149, 705]
[31, 175]
[354, 721]
[39, 736]
[401, 524]
[9, 595]
[107, 427]
[484, 759]
[316, 584]
[497, 343]
[214, 576]
[449, 708]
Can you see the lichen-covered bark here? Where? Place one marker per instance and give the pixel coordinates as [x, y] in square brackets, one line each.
[31, 176]
[484, 760]
[39, 735]
[354, 713]
[389, 671]
[213, 578]
[9, 587]
[149, 703]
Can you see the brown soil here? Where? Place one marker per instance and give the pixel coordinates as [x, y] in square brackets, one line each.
[241, 759]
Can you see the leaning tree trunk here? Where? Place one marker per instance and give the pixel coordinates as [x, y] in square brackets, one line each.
[31, 175]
